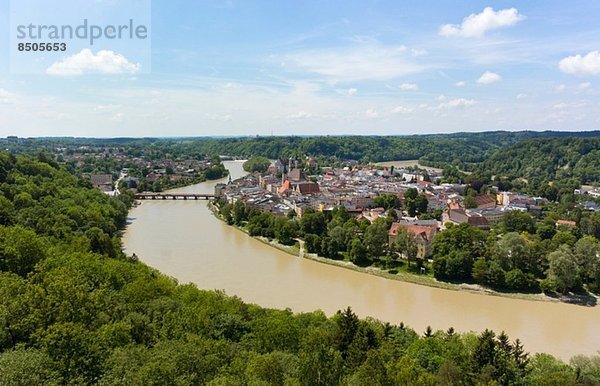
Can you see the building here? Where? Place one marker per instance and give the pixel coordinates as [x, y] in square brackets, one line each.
[460, 216]
[486, 201]
[423, 236]
[103, 182]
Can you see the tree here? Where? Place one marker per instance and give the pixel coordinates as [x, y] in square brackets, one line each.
[238, 213]
[100, 242]
[286, 232]
[357, 252]
[347, 325]
[517, 280]
[454, 251]
[405, 244]
[516, 221]
[312, 243]
[587, 252]
[496, 276]
[513, 252]
[313, 222]
[24, 367]
[480, 269]
[257, 164]
[563, 269]
[470, 202]
[376, 238]
[564, 237]
[6, 211]
[387, 201]
[20, 250]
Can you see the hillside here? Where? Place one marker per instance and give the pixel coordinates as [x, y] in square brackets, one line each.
[548, 159]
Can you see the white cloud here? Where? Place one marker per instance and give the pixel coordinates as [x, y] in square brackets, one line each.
[106, 108]
[460, 83]
[402, 110]
[409, 87]
[457, 103]
[581, 65]
[371, 113]
[362, 61]
[521, 96]
[352, 91]
[104, 62]
[489, 77]
[560, 88]
[560, 106]
[584, 85]
[300, 115]
[476, 25]
[6, 97]
[418, 51]
[441, 97]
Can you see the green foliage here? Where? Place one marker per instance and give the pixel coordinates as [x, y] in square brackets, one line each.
[454, 251]
[563, 269]
[387, 201]
[75, 310]
[257, 165]
[25, 367]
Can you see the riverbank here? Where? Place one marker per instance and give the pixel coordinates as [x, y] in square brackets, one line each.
[402, 276]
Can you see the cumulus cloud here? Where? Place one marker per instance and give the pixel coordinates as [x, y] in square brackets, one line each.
[300, 115]
[418, 51]
[581, 65]
[402, 110]
[584, 85]
[84, 62]
[489, 77]
[352, 91]
[371, 113]
[457, 103]
[6, 97]
[560, 88]
[409, 87]
[476, 25]
[460, 83]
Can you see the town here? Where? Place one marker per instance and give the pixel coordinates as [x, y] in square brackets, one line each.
[285, 189]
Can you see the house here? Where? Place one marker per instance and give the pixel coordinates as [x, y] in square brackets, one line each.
[295, 175]
[493, 216]
[566, 223]
[305, 188]
[276, 167]
[486, 201]
[102, 181]
[460, 216]
[423, 236]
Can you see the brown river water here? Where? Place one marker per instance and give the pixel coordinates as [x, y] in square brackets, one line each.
[184, 240]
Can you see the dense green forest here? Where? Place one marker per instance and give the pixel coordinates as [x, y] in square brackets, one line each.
[548, 159]
[460, 149]
[75, 310]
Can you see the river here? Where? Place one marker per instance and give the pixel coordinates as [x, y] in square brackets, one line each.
[184, 240]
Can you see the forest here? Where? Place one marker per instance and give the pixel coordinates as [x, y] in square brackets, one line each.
[75, 309]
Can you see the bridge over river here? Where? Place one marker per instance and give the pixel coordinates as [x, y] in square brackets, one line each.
[174, 196]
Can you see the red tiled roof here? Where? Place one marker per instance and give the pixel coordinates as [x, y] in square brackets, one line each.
[485, 200]
[426, 231]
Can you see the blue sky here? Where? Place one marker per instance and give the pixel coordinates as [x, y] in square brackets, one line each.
[321, 67]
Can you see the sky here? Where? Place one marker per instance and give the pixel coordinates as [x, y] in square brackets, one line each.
[230, 68]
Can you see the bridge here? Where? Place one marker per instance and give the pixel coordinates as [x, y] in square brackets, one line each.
[174, 196]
